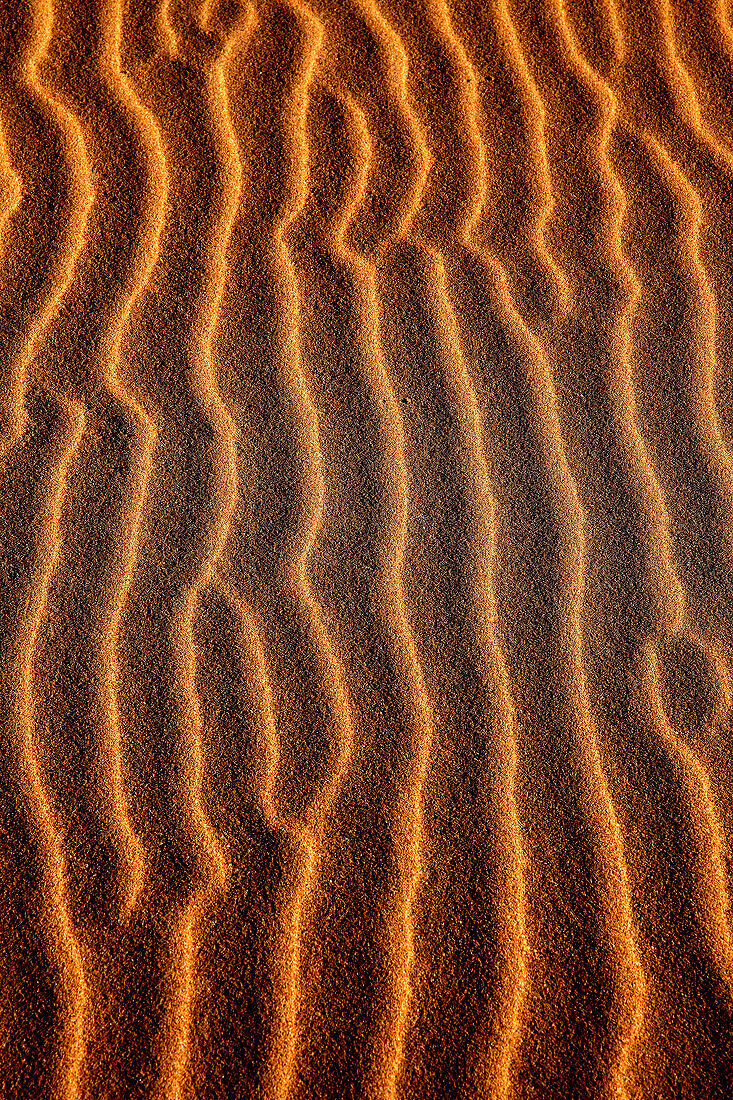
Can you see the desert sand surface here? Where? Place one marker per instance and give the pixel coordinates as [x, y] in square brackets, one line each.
[366, 549]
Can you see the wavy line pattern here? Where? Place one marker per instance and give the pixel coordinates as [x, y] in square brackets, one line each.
[366, 576]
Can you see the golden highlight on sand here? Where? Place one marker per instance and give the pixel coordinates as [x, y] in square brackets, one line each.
[366, 549]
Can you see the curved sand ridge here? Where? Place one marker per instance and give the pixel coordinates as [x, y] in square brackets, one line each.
[366, 571]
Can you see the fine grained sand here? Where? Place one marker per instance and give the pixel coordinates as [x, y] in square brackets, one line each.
[366, 549]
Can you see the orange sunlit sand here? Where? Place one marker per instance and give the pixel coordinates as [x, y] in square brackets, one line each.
[366, 549]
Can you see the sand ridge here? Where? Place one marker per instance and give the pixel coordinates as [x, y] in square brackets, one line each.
[366, 593]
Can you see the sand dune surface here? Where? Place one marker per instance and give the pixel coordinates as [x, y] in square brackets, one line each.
[366, 549]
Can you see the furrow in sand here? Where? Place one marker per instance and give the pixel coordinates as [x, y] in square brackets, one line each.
[598, 266]
[170, 368]
[72, 1040]
[143, 266]
[308, 838]
[694, 451]
[495, 715]
[609, 868]
[307, 824]
[205, 387]
[714, 904]
[269, 746]
[108, 483]
[535, 393]
[411, 834]
[690, 170]
[310, 443]
[604, 445]
[371, 223]
[397, 151]
[699, 389]
[704, 42]
[694, 156]
[47, 154]
[306, 712]
[475, 717]
[31, 293]
[390, 568]
[40, 975]
[318, 814]
[210, 399]
[676, 170]
[521, 198]
[652, 604]
[535, 153]
[242, 973]
[658, 97]
[686, 438]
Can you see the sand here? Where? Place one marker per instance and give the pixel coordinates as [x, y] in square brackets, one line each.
[366, 549]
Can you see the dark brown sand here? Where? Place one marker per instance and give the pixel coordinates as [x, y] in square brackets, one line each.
[366, 549]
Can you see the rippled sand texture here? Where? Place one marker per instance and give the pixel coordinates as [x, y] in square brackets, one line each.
[366, 549]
